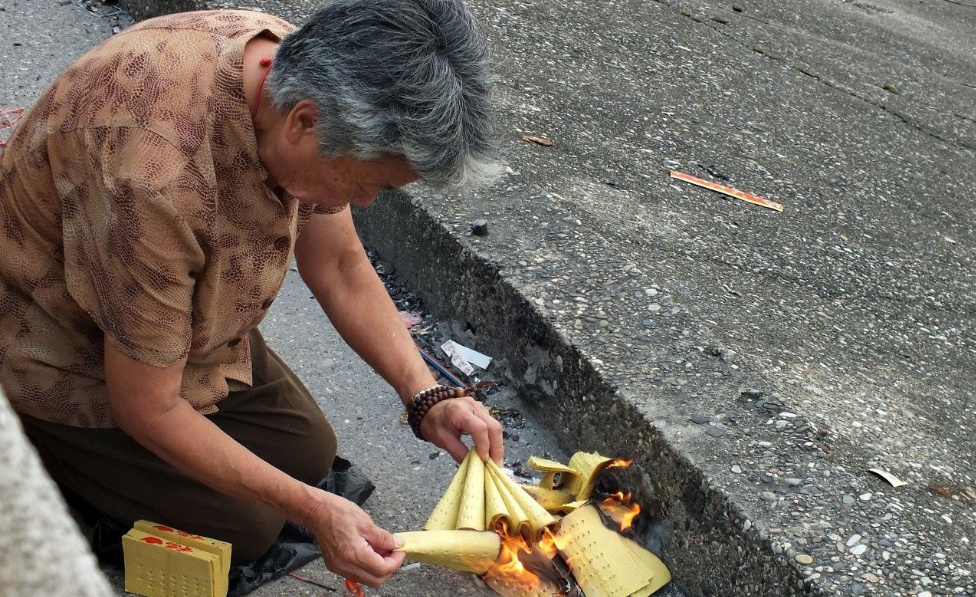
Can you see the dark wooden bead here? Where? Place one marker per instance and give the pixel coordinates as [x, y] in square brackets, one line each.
[424, 400]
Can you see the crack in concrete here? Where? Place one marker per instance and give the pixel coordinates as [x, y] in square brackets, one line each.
[832, 84]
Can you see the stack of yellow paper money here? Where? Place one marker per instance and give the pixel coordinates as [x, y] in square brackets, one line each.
[161, 561]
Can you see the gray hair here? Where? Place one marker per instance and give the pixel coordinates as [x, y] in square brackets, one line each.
[405, 77]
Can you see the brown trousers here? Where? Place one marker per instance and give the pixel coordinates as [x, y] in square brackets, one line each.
[277, 419]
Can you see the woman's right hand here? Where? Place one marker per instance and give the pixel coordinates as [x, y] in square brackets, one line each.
[352, 546]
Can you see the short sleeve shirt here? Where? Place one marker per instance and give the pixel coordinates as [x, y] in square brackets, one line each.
[133, 208]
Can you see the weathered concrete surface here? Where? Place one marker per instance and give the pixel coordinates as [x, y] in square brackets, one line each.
[41, 550]
[814, 344]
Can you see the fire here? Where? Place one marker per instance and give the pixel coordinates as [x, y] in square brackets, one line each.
[508, 563]
[618, 506]
[619, 463]
[547, 544]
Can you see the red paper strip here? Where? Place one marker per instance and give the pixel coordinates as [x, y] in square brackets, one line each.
[727, 190]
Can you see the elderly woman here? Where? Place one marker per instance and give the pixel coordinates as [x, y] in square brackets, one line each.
[151, 204]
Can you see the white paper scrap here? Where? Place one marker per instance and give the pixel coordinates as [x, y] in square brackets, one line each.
[452, 348]
[895, 481]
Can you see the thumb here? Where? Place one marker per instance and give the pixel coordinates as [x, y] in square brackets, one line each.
[382, 540]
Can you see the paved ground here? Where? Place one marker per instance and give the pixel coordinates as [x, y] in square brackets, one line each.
[755, 363]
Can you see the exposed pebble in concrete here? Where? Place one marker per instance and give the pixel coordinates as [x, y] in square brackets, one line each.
[479, 227]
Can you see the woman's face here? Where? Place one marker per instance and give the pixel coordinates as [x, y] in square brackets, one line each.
[292, 156]
[334, 182]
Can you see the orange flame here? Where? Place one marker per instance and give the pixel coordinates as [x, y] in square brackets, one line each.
[619, 463]
[508, 558]
[547, 544]
[508, 563]
[619, 508]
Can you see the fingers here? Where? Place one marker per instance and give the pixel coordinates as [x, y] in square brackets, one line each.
[485, 431]
[447, 421]
[368, 562]
[452, 445]
[478, 429]
[353, 546]
[382, 540]
[375, 568]
[496, 440]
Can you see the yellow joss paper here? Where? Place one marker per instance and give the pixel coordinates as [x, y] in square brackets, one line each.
[444, 516]
[552, 500]
[156, 567]
[578, 478]
[529, 517]
[471, 509]
[467, 551]
[605, 562]
[221, 549]
[497, 510]
[481, 497]
[588, 466]
[549, 470]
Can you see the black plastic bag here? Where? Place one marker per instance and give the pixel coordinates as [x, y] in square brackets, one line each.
[294, 547]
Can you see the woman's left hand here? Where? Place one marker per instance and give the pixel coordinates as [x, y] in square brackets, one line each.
[448, 420]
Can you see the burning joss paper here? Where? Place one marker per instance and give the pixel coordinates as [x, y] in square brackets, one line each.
[487, 524]
[605, 562]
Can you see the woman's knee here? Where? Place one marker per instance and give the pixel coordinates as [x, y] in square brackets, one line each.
[315, 457]
[255, 533]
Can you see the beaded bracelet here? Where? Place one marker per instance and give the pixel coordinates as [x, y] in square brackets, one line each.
[424, 400]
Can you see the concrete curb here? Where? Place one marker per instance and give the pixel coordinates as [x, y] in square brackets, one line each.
[713, 554]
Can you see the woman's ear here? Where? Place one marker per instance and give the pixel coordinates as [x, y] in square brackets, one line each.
[301, 121]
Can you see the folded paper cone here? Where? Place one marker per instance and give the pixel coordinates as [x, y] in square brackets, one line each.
[467, 551]
[497, 511]
[481, 497]
[444, 516]
[471, 510]
[531, 518]
[509, 520]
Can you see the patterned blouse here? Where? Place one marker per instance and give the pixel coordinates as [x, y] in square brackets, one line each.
[133, 207]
